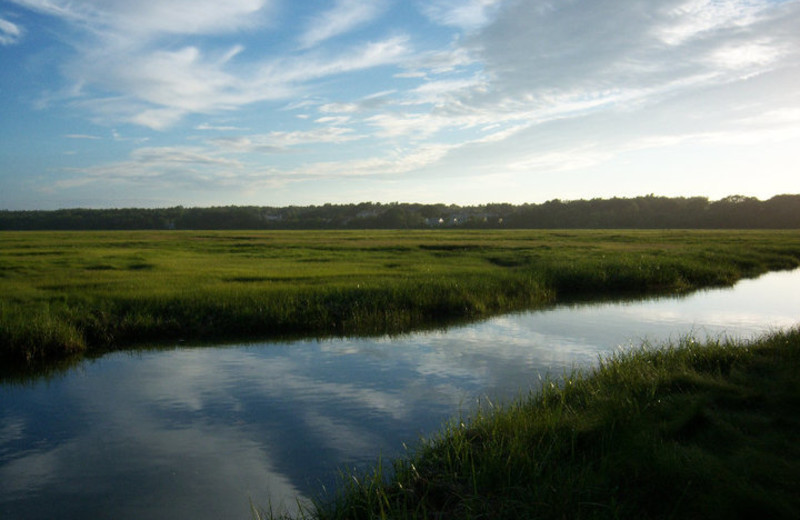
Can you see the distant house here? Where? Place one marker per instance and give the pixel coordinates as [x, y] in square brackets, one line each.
[458, 219]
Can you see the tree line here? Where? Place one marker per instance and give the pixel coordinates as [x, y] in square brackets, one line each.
[646, 212]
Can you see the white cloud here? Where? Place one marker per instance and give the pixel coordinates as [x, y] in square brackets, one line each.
[159, 88]
[10, 33]
[561, 161]
[138, 79]
[282, 141]
[157, 118]
[571, 60]
[147, 18]
[437, 62]
[466, 14]
[307, 67]
[339, 108]
[371, 102]
[125, 70]
[218, 128]
[190, 16]
[396, 162]
[421, 125]
[336, 120]
[169, 155]
[441, 90]
[605, 78]
[116, 136]
[82, 136]
[343, 17]
[745, 55]
[167, 167]
[695, 18]
[775, 117]
[305, 103]
[599, 44]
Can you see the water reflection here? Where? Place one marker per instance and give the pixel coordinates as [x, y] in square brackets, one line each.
[146, 438]
[198, 432]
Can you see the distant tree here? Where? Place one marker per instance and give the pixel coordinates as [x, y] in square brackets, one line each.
[736, 211]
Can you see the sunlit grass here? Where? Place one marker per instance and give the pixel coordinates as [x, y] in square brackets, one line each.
[67, 292]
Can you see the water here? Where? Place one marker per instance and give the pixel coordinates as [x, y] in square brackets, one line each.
[201, 432]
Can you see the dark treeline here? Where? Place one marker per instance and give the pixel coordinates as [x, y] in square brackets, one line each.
[648, 212]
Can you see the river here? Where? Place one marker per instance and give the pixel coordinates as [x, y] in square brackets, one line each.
[203, 432]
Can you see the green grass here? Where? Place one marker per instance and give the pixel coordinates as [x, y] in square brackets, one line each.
[70, 293]
[686, 431]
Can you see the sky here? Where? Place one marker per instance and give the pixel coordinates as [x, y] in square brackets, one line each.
[158, 103]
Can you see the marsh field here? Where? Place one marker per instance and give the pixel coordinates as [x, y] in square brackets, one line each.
[689, 429]
[70, 293]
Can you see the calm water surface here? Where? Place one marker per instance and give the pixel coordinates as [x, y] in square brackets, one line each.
[201, 432]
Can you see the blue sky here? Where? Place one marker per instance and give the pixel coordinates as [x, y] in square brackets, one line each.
[153, 103]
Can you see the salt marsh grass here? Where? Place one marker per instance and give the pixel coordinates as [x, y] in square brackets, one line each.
[63, 293]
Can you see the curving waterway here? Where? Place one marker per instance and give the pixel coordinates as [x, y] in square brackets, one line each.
[203, 432]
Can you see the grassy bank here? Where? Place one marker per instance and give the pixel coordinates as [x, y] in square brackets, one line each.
[690, 431]
[67, 293]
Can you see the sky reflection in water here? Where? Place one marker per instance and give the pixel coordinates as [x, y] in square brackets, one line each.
[199, 432]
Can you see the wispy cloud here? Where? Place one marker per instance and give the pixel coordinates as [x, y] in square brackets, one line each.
[339, 108]
[335, 120]
[690, 19]
[159, 88]
[387, 165]
[570, 60]
[10, 33]
[218, 128]
[579, 45]
[151, 18]
[343, 17]
[180, 155]
[82, 136]
[164, 167]
[466, 14]
[444, 91]
[438, 62]
[282, 141]
[373, 89]
[126, 72]
[372, 102]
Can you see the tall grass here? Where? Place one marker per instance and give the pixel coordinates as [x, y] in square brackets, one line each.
[687, 431]
[62, 293]
[37, 332]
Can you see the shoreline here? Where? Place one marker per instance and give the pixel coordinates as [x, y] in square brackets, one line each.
[685, 430]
